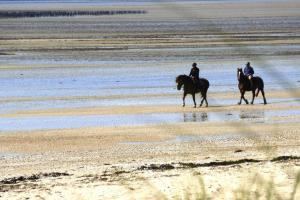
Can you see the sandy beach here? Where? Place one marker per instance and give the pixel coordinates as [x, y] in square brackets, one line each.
[90, 109]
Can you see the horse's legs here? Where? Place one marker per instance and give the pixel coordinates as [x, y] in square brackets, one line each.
[204, 97]
[242, 97]
[240, 102]
[246, 101]
[183, 99]
[202, 100]
[206, 101]
[263, 94]
[194, 100]
[253, 94]
[201, 96]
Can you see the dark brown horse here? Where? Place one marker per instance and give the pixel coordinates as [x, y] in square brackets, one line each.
[190, 88]
[245, 85]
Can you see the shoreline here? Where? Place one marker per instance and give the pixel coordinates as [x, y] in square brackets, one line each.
[293, 95]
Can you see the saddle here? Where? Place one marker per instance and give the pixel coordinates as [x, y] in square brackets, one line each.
[197, 82]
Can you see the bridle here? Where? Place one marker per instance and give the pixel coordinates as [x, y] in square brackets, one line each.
[179, 84]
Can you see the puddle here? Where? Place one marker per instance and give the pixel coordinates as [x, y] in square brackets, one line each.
[61, 122]
[10, 155]
[206, 138]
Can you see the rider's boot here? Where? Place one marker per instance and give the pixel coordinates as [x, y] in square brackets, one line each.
[251, 84]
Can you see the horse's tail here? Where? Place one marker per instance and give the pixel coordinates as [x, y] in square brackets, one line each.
[205, 82]
[260, 84]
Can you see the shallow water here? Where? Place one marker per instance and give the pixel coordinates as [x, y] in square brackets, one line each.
[61, 122]
[130, 79]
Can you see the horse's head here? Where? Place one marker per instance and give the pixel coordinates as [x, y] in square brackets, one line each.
[179, 81]
[239, 73]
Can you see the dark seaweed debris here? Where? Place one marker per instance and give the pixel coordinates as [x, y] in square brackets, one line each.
[181, 165]
[238, 151]
[285, 158]
[157, 167]
[219, 163]
[33, 177]
[65, 13]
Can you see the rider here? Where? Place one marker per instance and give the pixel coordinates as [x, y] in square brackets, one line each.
[248, 71]
[194, 74]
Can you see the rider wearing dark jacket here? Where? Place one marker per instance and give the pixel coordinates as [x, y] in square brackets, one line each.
[249, 71]
[194, 74]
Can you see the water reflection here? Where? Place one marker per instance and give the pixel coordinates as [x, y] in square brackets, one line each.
[195, 117]
[257, 116]
[61, 122]
[253, 116]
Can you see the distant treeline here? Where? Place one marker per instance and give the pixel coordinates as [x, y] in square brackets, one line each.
[67, 13]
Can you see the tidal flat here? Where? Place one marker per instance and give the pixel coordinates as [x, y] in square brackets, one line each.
[90, 109]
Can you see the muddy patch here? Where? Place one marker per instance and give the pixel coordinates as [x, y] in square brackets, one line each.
[6, 54]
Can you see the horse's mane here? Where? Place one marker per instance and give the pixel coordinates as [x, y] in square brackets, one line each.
[241, 70]
[242, 75]
[182, 76]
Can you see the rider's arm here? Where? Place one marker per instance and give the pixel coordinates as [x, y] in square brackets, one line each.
[198, 72]
[245, 71]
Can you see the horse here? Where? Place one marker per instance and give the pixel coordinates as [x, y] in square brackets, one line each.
[190, 88]
[245, 85]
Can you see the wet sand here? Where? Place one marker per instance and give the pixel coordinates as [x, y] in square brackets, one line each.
[90, 110]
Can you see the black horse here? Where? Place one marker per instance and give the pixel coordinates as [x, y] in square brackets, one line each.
[190, 88]
[245, 85]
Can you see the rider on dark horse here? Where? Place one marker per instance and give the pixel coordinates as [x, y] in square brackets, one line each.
[248, 71]
[194, 74]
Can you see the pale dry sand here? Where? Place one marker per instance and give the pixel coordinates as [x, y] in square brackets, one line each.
[107, 162]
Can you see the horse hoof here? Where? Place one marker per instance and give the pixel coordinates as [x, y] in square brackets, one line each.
[238, 103]
[195, 106]
[183, 105]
